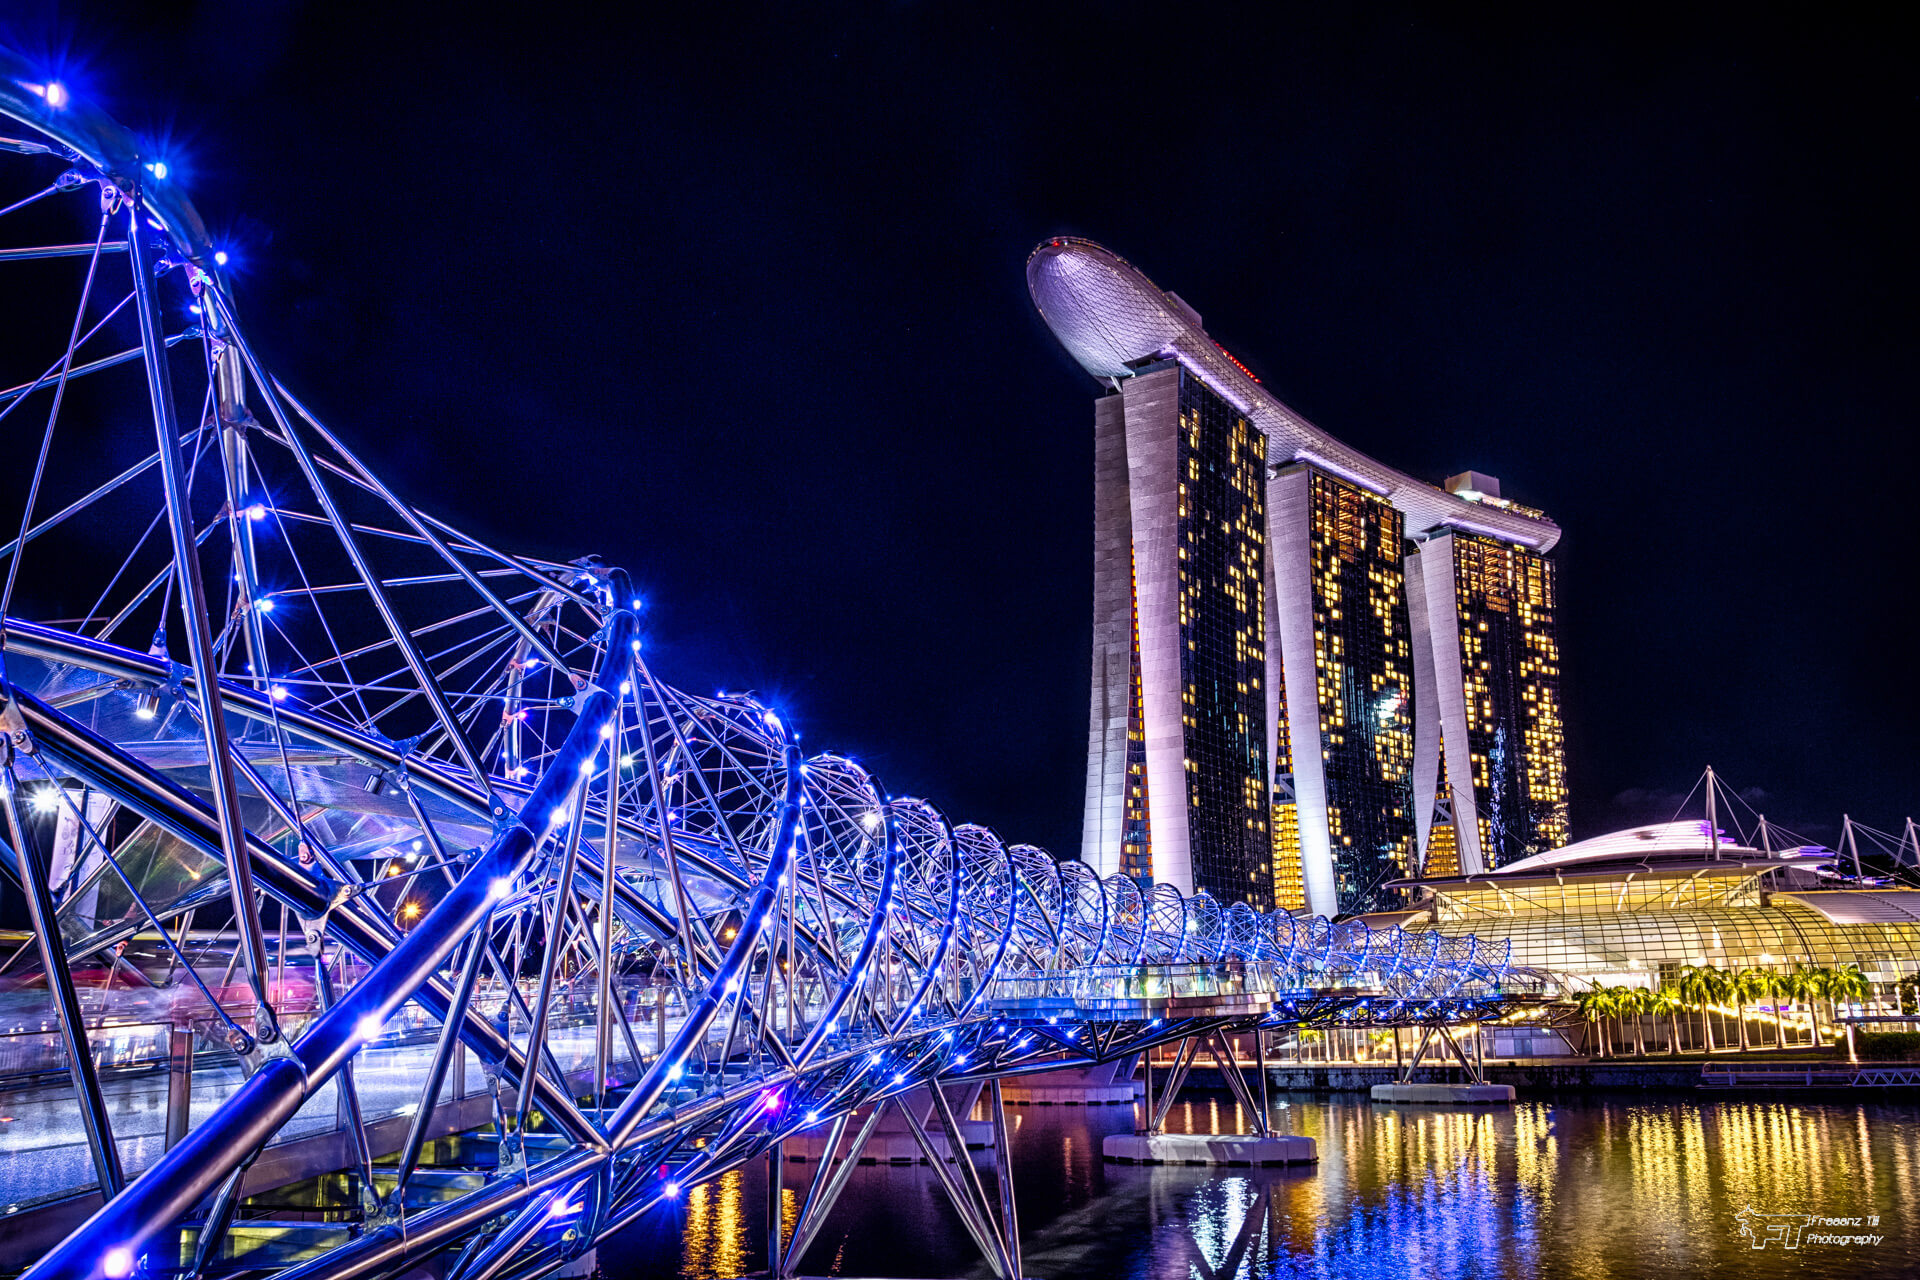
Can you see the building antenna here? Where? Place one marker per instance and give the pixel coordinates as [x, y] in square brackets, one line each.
[1713, 818]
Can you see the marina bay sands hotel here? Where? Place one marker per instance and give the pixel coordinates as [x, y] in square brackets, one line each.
[1312, 674]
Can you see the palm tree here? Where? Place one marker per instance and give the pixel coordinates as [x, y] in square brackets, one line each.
[1781, 991]
[1849, 984]
[1620, 1004]
[1768, 985]
[1592, 1004]
[1700, 987]
[1666, 1000]
[1748, 984]
[1809, 984]
[1644, 1001]
[1720, 982]
[1787, 986]
[1686, 985]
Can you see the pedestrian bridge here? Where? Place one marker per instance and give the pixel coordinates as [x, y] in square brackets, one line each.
[374, 878]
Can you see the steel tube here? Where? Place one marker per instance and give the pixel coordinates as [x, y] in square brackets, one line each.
[398, 630]
[699, 1018]
[550, 961]
[179, 1083]
[816, 1212]
[193, 606]
[261, 1105]
[982, 1233]
[969, 1177]
[1009, 1210]
[444, 1051]
[45, 922]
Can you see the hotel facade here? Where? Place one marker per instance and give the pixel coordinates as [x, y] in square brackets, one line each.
[1313, 676]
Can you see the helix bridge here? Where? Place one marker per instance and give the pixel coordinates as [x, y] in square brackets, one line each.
[389, 852]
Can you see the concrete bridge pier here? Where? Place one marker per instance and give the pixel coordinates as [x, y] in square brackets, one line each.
[1153, 1145]
[1474, 1091]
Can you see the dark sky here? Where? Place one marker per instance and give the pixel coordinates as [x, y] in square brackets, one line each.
[737, 302]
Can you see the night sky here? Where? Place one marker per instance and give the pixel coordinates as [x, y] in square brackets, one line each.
[739, 304]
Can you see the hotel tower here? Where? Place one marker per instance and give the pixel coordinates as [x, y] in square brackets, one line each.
[1312, 674]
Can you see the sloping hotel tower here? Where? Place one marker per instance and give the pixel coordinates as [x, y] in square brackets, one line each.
[1312, 674]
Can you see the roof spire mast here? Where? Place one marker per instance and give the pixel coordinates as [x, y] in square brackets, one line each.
[1713, 818]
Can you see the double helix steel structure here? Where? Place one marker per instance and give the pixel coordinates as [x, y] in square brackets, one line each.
[303, 782]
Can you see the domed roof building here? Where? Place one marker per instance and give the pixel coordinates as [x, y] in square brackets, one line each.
[1634, 907]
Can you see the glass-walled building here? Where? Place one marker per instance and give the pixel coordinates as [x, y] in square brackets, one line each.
[1342, 769]
[1636, 907]
[1223, 659]
[1275, 718]
[1178, 773]
[1490, 776]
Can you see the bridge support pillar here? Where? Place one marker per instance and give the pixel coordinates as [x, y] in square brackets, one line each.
[1263, 1146]
[1474, 1091]
[927, 1117]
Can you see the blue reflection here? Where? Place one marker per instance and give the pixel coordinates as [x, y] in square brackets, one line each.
[1564, 1187]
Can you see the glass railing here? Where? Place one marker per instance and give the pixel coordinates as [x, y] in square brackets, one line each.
[1146, 982]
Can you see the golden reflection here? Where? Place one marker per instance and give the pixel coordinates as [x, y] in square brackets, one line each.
[716, 1234]
[1576, 1187]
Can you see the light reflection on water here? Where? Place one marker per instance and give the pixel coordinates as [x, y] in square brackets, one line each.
[1548, 1187]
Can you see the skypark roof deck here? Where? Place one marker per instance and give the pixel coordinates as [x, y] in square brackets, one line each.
[1113, 319]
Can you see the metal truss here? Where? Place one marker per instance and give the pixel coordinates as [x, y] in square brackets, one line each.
[419, 796]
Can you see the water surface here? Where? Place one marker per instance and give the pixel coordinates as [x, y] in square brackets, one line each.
[1562, 1187]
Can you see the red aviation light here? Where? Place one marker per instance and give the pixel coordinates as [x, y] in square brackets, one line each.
[1236, 362]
